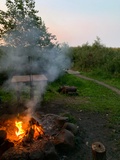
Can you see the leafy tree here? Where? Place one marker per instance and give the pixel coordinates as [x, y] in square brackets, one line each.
[20, 26]
[31, 49]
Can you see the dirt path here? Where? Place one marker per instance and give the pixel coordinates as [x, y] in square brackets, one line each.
[96, 81]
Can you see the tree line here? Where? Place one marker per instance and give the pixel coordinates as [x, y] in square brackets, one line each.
[96, 57]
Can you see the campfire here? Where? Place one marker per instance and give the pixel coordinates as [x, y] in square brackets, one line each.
[33, 130]
[44, 134]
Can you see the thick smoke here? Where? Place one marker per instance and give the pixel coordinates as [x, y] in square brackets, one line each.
[55, 61]
[23, 57]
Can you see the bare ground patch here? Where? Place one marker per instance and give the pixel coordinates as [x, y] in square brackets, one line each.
[93, 126]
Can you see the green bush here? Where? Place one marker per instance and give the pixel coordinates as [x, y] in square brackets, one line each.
[88, 58]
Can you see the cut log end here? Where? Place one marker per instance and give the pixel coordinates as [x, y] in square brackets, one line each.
[98, 151]
[98, 147]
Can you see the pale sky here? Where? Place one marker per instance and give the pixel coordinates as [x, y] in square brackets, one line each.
[79, 21]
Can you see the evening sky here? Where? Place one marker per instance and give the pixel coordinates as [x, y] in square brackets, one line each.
[79, 21]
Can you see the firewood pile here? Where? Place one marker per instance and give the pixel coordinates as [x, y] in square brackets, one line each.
[70, 90]
[56, 134]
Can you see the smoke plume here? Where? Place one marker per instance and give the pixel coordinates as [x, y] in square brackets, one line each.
[24, 56]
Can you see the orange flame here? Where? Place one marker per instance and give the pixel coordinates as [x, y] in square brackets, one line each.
[20, 131]
[38, 130]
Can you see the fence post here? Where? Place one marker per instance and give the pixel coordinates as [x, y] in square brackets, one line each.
[98, 151]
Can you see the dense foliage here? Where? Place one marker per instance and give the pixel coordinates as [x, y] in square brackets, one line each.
[96, 57]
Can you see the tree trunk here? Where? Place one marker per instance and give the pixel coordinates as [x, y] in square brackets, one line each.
[98, 151]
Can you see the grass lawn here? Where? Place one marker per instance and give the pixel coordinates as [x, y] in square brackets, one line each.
[91, 97]
[105, 77]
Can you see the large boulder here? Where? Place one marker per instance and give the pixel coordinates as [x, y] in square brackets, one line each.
[71, 127]
[65, 140]
[50, 152]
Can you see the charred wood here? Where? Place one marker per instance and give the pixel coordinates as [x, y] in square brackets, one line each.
[3, 136]
[28, 136]
[33, 127]
[5, 146]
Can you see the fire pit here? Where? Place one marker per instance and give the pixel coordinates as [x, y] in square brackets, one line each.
[36, 137]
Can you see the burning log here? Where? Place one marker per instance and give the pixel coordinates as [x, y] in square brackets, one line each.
[37, 127]
[35, 130]
[28, 136]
